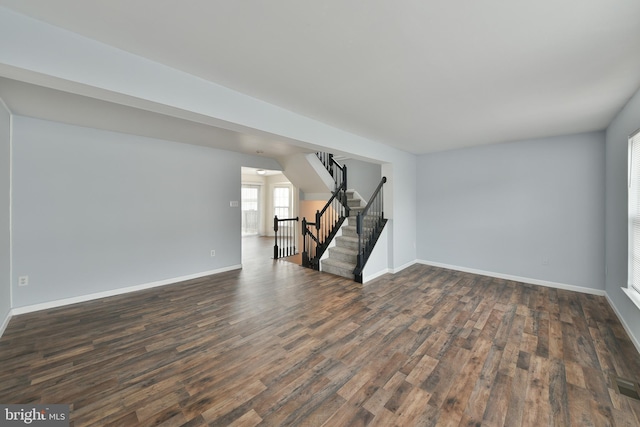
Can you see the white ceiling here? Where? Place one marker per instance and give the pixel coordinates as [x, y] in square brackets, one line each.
[420, 75]
[254, 171]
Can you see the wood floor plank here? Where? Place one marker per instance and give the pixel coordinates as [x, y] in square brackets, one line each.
[516, 397]
[460, 391]
[497, 406]
[249, 419]
[275, 344]
[413, 405]
[537, 397]
[558, 397]
[479, 397]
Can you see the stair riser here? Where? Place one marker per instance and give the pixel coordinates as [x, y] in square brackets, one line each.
[338, 271]
[368, 222]
[346, 243]
[341, 256]
[351, 231]
[370, 215]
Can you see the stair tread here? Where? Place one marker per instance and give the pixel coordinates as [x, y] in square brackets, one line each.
[348, 238]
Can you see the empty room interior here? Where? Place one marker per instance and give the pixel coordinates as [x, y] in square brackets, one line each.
[321, 213]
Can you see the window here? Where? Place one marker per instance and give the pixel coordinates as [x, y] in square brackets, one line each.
[250, 212]
[633, 289]
[282, 201]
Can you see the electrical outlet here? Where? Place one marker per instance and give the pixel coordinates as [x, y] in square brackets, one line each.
[213, 252]
[545, 260]
[234, 203]
[23, 280]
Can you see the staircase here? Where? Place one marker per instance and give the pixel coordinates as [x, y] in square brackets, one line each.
[343, 256]
[350, 242]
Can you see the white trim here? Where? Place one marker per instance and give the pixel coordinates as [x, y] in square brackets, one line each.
[10, 211]
[375, 275]
[626, 327]
[402, 267]
[633, 295]
[5, 323]
[119, 291]
[546, 283]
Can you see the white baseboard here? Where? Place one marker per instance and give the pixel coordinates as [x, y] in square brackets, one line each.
[5, 323]
[626, 327]
[374, 276]
[387, 270]
[528, 280]
[119, 291]
[402, 267]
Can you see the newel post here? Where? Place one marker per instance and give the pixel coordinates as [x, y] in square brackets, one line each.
[275, 234]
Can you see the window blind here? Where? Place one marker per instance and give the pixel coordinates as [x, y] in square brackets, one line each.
[634, 211]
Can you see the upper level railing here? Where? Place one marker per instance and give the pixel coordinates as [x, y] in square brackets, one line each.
[369, 224]
[335, 169]
[317, 235]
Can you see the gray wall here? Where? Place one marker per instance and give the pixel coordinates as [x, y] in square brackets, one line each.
[400, 207]
[533, 209]
[5, 211]
[627, 121]
[362, 176]
[95, 211]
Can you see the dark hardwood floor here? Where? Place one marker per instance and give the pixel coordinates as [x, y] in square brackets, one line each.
[274, 344]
